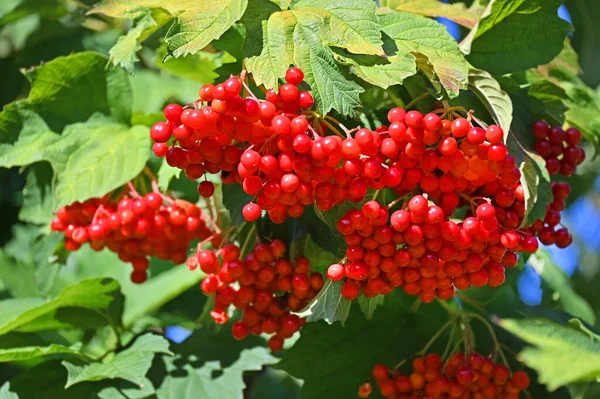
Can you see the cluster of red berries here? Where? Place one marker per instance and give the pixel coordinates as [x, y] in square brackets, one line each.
[558, 147]
[270, 148]
[269, 286]
[463, 376]
[562, 153]
[134, 228]
[546, 230]
[445, 165]
[422, 251]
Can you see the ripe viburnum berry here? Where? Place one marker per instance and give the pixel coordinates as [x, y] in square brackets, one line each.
[431, 377]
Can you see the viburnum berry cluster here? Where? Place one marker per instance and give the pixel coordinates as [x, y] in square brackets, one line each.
[558, 147]
[134, 227]
[445, 165]
[562, 153]
[462, 376]
[265, 285]
[276, 149]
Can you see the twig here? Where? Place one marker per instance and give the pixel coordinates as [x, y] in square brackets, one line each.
[417, 99]
[333, 129]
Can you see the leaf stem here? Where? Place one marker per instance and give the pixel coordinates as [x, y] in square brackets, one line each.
[247, 241]
[416, 100]
[448, 345]
[436, 336]
[333, 129]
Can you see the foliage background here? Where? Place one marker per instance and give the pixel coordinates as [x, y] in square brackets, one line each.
[34, 267]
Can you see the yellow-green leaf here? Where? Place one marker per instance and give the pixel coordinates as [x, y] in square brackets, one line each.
[435, 49]
[456, 12]
[198, 22]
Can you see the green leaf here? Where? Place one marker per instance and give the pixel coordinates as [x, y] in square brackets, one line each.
[329, 86]
[379, 71]
[145, 21]
[369, 305]
[37, 195]
[234, 199]
[141, 299]
[328, 305]
[257, 12]
[47, 380]
[549, 103]
[391, 336]
[5, 392]
[101, 296]
[165, 174]
[275, 384]
[132, 364]
[301, 36]
[18, 277]
[58, 87]
[86, 164]
[115, 391]
[232, 42]
[497, 102]
[559, 354]
[559, 283]
[456, 12]
[509, 39]
[536, 183]
[7, 6]
[32, 352]
[584, 106]
[153, 90]
[319, 258]
[103, 157]
[210, 365]
[199, 67]
[534, 176]
[197, 22]
[45, 127]
[564, 65]
[350, 24]
[157, 291]
[585, 37]
[436, 51]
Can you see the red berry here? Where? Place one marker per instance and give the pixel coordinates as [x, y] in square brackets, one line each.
[160, 132]
[240, 330]
[294, 76]
[335, 272]
[251, 212]
[206, 189]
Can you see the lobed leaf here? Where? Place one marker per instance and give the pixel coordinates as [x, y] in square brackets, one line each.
[331, 89]
[559, 354]
[436, 51]
[301, 36]
[381, 72]
[210, 365]
[369, 305]
[197, 23]
[145, 21]
[132, 364]
[328, 305]
[165, 174]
